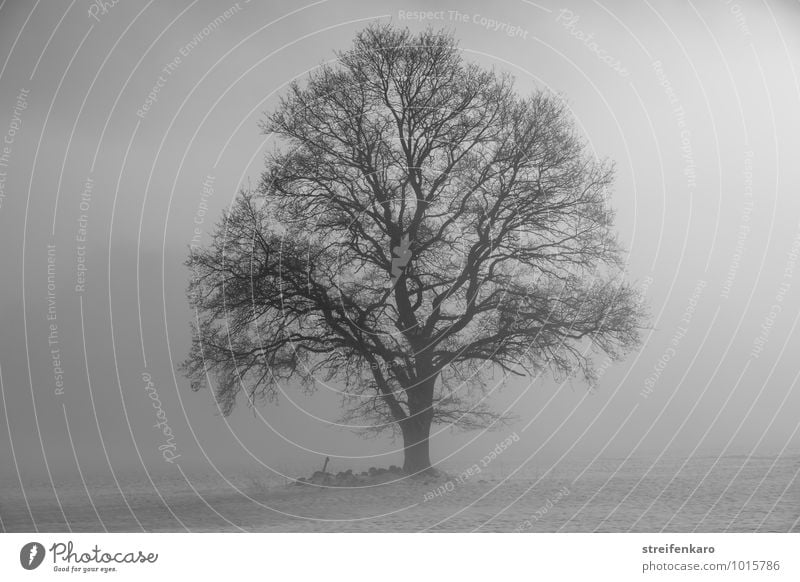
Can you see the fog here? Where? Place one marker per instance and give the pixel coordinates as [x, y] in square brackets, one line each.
[697, 104]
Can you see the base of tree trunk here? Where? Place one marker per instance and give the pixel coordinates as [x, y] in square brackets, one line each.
[417, 451]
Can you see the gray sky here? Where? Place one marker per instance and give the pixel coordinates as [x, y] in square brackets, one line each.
[698, 104]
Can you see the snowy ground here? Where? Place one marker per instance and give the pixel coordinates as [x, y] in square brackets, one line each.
[732, 494]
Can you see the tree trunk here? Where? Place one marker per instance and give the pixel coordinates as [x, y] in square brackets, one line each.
[416, 440]
[416, 427]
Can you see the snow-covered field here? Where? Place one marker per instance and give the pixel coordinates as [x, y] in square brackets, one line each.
[707, 494]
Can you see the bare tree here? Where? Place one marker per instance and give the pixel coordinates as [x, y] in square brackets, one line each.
[420, 228]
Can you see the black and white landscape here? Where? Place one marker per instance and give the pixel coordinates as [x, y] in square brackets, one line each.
[445, 266]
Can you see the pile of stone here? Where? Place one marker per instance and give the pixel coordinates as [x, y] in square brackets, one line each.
[350, 479]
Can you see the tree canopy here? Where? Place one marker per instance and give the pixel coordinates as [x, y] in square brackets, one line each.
[420, 228]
